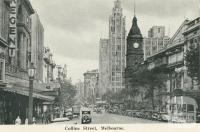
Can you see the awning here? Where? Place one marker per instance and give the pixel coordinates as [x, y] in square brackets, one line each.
[3, 41]
[26, 93]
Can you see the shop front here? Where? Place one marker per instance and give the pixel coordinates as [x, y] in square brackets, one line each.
[14, 102]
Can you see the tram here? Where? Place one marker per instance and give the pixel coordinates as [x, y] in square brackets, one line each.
[182, 109]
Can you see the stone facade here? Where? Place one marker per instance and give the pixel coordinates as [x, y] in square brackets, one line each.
[4, 19]
[48, 66]
[14, 78]
[37, 45]
[23, 52]
[172, 59]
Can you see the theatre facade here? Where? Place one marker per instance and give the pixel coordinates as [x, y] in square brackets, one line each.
[15, 60]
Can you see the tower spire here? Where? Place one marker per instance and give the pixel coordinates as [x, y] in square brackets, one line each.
[134, 8]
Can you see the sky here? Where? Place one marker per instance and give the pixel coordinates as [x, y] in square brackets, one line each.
[73, 28]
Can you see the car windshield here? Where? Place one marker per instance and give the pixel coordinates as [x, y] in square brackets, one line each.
[85, 112]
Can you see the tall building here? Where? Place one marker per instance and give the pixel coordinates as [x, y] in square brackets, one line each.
[156, 41]
[91, 86]
[153, 46]
[117, 48]
[103, 66]
[135, 54]
[156, 32]
[37, 45]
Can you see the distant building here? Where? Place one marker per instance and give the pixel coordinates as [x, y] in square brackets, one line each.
[156, 32]
[90, 86]
[80, 91]
[117, 48]
[48, 66]
[60, 73]
[104, 78]
[153, 46]
[37, 45]
[156, 41]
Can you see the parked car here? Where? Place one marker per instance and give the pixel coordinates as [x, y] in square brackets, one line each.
[60, 119]
[134, 113]
[146, 114]
[198, 118]
[110, 110]
[128, 112]
[138, 114]
[155, 116]
[68, 114]
[164, 116]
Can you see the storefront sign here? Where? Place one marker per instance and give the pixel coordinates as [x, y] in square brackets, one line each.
[13, 23]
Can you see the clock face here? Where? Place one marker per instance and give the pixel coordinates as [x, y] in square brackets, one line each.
[135, 45]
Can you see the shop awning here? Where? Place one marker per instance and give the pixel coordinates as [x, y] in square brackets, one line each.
[3, 42]
[26, 93]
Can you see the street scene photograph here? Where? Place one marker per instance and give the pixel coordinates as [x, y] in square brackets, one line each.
[99, 62]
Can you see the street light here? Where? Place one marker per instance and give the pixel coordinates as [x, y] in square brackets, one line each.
[31, 73]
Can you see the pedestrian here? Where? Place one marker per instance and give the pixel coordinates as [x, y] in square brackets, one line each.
[42, 118]
[26, 121]
[18, 121]
[34, 120]
[45, 118]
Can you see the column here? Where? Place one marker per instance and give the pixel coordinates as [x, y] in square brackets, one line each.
[20, 50]
[25, 52]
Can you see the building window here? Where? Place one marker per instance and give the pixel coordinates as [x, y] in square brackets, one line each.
[158, 30]
[1, 70]
[119, 47]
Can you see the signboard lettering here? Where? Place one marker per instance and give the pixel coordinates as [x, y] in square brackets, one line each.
[13, 23]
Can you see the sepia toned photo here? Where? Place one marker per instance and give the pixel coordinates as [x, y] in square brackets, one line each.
[99, 62]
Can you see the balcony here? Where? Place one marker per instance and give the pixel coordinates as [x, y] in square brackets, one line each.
[46, 58]
[158, 62]
[15, 71]
[176, 64]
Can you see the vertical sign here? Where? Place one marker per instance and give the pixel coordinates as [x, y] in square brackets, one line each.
[13, 24]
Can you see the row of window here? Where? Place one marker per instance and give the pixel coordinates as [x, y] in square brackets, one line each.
[176, 58]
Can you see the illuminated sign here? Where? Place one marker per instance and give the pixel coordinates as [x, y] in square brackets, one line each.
[13, 24]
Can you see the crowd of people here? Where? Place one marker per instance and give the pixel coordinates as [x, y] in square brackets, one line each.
[45, 119]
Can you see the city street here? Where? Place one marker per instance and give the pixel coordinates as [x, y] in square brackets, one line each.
[107, 118]
[105, 64]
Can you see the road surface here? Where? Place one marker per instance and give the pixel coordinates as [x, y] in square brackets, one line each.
[107, 118]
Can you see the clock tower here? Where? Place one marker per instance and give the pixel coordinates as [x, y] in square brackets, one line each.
[134, 54]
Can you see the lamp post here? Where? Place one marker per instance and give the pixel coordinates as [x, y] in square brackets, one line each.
[31, 73]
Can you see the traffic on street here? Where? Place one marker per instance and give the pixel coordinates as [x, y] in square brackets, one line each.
[102, 116]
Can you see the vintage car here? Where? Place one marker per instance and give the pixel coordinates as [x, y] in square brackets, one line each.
[60, 119]
[86, 116]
